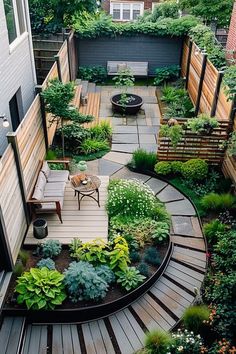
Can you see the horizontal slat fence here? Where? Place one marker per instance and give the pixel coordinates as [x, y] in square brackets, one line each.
[229, 167]
[207, 147]
[11, 202]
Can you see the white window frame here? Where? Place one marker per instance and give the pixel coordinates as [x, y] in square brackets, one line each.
[19, 36]
[121, 3]
[154, 4]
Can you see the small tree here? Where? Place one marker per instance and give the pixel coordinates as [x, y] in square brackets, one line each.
[57, 97]
[123, 80]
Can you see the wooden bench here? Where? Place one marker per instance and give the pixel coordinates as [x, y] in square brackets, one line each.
[137, 68]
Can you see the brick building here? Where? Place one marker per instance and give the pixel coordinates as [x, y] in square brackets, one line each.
[127, 10]
[231, 41]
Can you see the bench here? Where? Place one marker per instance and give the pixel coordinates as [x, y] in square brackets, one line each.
[137, 68]
[48, 192]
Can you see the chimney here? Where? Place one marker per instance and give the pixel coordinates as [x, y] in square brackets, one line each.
[231, 41]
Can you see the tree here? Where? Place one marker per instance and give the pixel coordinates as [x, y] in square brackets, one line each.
[218, 11]
[53, 15]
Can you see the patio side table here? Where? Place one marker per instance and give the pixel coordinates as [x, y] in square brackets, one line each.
[88, 190]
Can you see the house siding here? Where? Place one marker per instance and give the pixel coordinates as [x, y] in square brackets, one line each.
[157, 51]
[231, 41]
[16, 71]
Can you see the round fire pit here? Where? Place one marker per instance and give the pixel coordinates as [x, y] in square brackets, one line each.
[130, 108]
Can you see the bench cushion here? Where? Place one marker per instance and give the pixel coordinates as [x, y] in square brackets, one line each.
[50, 206]
[45, 169]
[39, 187]
[54, 189]
[58, 176]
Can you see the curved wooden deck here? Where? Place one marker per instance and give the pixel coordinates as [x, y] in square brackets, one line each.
[123, 332]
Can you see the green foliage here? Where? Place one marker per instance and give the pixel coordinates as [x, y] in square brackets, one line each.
[119, 255]
[203, 124]
[205, 39]
[97, 74]
[50, 155]
[224, 254]
[213, 230]
[214, 201]
[46, 262]
[194, 317]
[166, 73]
[105, 273]
[164, 10]
[74, 135]
[95, 252]
[23, 256]
[51, 248]
[134, 256]
[163, 168]
[83, 283]
[101, 131]
[143, 269]
[40, 289]
[129, 278]
[176, 167]
[130, 198]
[229, 80]
[144, 160]
[173, 132]
[161, 232]
[158, 342]
[89, 146]
[18, 268]
[208, 185]
[151, 256]
[231, 144]
[186, 343]
[195, 170]
[171, 94]
[178, 102]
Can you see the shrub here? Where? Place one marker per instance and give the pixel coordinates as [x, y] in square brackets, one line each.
[46, 262]
[195, 170]
[129, 278]
[97, 74]
[161, 232]
[74, 134]
[166, 73]
[41, 289]
[51, 248]
[186, 342]
[119, 255]
[158, 342]
[194, 317]
[105, 273]
[95, 252]
[23, 256]
[144, 160]
[89, 146]
[174, 133]
[214, 201]
[176, 167]
[83, 283]
[101, 131]
[143, 269]
[130, 198]
[163, 168]
[224, 255]
[213, 229]
[151, 256]
[134, 256]
[203, 124]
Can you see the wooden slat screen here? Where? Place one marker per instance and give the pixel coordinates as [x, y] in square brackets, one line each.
[185, 57]
[73, 54]
[64, 63]
[223, 108]
[208, 88]
[11, 202]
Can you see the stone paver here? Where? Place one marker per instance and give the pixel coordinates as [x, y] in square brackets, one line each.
[147, 139]
[107, 168]
[125, 138]
[156, 184]
[125, 129]
[130, 148]
[118, 157]
[125, 173]
[169, 194]
[182, 225]
[148, 130]
[117, 121]
[149, 147]
[181, 207]
[92, 167]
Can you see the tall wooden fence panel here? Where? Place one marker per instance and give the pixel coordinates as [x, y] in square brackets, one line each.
[73, 55]
[224, 106]
[64, 62]
[11, 202]
[194, 73]
[31, 143]
[208, 88]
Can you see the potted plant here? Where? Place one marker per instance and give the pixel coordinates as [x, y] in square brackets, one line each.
[203, 124]
[125, 103]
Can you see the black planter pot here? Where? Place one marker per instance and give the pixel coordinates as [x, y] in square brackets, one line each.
[130, 108]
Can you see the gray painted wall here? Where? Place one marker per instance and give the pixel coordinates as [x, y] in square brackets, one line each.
[16, 71]
[157, 51]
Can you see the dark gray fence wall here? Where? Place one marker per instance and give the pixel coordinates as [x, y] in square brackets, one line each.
[157, 51]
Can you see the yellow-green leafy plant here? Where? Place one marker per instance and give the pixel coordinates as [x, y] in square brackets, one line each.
[119, 255]
[95, 252]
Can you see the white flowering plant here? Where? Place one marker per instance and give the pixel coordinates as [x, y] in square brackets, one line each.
[185, 342]
[130, 198]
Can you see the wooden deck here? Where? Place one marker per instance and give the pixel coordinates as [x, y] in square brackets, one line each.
[88, 223]
[92, 108]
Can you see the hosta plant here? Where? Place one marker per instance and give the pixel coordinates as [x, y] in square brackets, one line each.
[95, 252]
[119, 256]
[161, 232]
[41, 289]
[130, 278]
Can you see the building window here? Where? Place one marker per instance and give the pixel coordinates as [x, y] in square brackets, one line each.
[123, 11]
[15, 18]
[153, 5]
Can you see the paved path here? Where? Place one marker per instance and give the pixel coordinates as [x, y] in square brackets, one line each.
[161, 307]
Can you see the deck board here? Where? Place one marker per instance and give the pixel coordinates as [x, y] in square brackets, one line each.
[88, 223]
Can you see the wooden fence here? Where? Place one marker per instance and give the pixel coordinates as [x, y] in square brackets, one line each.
[19, 164]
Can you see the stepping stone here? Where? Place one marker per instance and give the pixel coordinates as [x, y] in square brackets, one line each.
[156, 185]
[125, 138]
[181, 207]
[148, 130]
[149, 147]
[147, 139]
[149, 99]
[118, 157]
[117, 121]
[131, 121]
[155, 121]
[182, 225]
[92, 167]
[107, 168]
[169, 194]
[141, 122]
[130, 148]
[125, 173]
[125, 129]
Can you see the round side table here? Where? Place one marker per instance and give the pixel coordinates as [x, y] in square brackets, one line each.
[88, 190]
